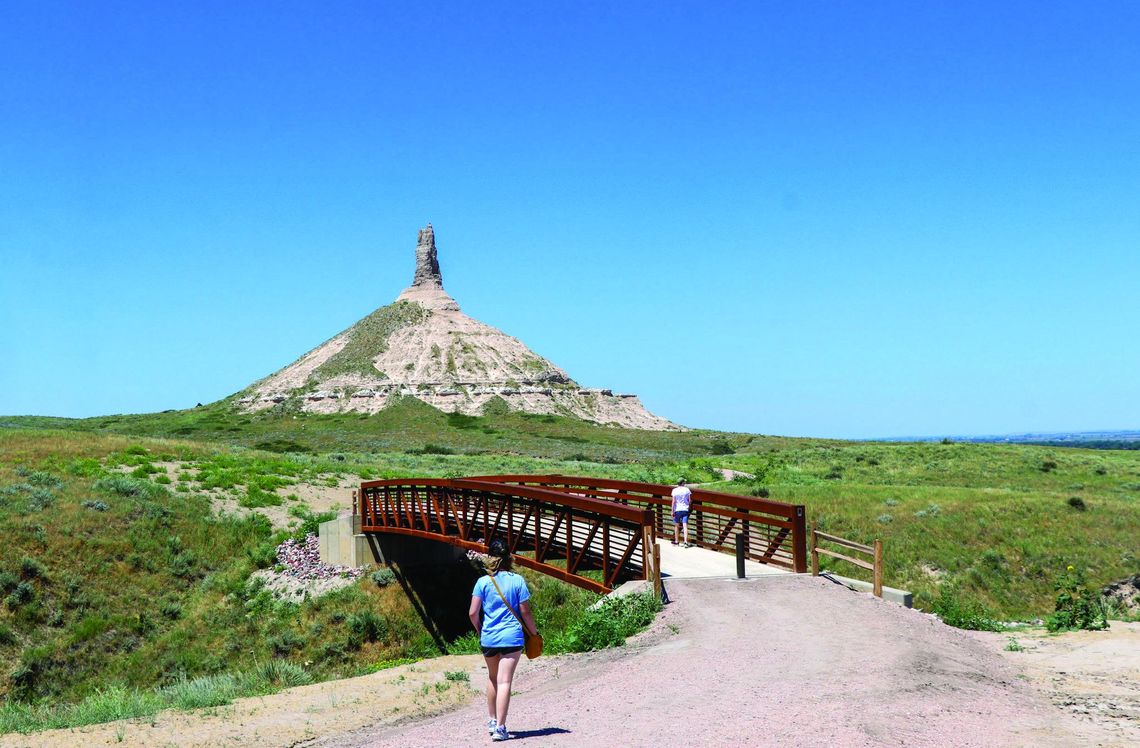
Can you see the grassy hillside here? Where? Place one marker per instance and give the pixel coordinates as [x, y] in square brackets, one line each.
[115, 576]
[112, 573]
[410, 425]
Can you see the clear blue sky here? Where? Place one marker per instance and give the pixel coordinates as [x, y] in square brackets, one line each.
[829, 219]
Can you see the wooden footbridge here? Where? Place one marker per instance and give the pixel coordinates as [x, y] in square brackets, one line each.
[590, 532]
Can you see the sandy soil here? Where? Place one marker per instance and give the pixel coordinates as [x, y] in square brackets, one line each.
[1091, 676]
[288, 718]
[788, 661]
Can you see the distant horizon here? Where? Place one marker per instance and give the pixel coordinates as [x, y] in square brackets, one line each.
[876, 220]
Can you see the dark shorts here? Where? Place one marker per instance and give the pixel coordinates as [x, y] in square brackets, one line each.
[680, 518]
[496, 651]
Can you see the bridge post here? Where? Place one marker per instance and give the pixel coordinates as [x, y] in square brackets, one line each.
[799, 541]
[652, 558]
[741, 551]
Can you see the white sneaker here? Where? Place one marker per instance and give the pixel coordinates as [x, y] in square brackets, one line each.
[500, 733]
[491, 725]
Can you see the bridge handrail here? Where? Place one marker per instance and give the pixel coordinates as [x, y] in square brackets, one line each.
[449, 509]
[612, 509]
[732, 507]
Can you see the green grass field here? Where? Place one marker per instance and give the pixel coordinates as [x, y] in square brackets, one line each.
[115, 577]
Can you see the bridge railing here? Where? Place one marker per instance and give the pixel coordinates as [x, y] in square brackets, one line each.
[774, 532]
[564, 535]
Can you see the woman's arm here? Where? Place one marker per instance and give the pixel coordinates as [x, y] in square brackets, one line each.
[527, 616]
[474, 612]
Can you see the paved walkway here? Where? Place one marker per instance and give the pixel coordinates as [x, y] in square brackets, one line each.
[700, 563]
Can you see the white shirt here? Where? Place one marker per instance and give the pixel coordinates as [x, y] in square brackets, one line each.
[682, 498]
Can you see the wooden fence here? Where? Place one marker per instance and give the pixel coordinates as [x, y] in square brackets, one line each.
[875, 566]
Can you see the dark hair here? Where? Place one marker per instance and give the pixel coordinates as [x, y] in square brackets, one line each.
[497, 550]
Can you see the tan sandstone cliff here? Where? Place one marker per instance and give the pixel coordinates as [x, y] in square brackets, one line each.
[423, 346]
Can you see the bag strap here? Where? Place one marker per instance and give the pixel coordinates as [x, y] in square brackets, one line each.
[513, 613]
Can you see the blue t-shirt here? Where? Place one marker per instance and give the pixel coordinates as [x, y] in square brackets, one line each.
[500, 627]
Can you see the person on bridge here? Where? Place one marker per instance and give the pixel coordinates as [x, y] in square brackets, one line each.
[682, 503]
[500, 633]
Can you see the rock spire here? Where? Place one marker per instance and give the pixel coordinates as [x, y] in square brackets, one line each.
[427, 284]
[427, 261]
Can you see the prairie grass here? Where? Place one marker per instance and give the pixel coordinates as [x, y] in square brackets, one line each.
[120, 586]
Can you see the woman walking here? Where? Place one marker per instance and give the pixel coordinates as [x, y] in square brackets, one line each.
[498, 602]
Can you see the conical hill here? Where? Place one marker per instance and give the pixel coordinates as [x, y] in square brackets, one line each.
[423, 346]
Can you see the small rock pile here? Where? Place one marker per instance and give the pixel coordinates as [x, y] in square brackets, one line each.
[302, 560]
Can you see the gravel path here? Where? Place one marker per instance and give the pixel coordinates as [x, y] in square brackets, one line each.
[789, 661]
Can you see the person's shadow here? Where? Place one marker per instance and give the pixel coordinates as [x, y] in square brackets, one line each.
[519, 734]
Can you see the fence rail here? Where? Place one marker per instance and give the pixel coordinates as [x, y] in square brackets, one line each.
[875, 566]
[774, 532]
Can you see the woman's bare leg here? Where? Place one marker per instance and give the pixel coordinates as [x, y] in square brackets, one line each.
[492, 680]
[506, 674]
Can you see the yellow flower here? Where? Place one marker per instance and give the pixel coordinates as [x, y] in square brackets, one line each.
[1070, 567]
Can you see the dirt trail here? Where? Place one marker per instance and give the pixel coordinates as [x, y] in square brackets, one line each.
[772, 661]
[789, 661]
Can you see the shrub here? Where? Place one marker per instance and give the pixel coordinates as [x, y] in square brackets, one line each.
[1076, 606]
[40, 498]
[1013, 645]
[610, 623]
[365, 627]
[125, 485]
[256, 497]
[285, 642]
[458, 676]
[23, 594]
[8, 581]
[836, 473]
[383, 577]
[1048, 466]
[98, 506]
[761, 492]
[721, 447]
[1076, 502]
[30, 568]
[263, 555]
[963, 614]
[885, 519]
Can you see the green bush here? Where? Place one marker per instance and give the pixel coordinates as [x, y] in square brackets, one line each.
[609, 624]
[963, 614]
[125, 485]
[30, 568]
[1077, 607]
[365, 627]
[383, 577]
[256, 497]
[23, 594]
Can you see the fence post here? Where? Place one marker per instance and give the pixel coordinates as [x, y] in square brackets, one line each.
[651, 556]
[814, 552]
[878, 568]
[740, 552]
[799, 542]
[657, 570]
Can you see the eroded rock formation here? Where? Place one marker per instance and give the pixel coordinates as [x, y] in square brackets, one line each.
[423, 346]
